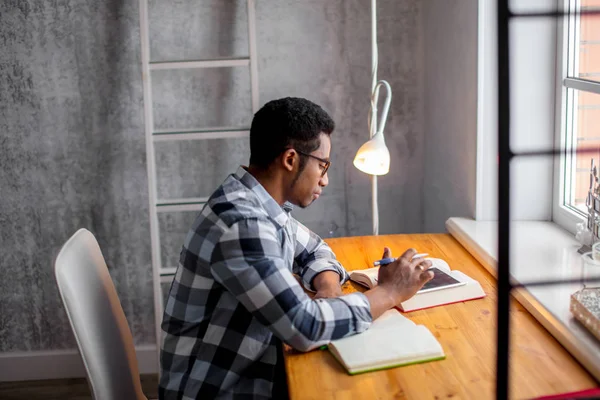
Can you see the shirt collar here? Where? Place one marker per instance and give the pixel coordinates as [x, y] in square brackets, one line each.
[278, 213]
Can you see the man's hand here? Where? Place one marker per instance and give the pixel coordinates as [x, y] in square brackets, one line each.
[327, 284]
[398, 281]
[405, 276]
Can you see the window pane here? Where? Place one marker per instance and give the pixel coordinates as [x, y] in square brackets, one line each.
[585, 136]
[589, 42]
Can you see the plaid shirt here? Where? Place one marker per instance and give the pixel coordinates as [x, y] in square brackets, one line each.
[234, 297]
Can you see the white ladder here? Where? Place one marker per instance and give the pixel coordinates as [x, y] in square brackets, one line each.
[163, 274]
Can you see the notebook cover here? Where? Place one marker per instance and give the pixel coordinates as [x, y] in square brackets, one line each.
[396, 365]
[362, 371]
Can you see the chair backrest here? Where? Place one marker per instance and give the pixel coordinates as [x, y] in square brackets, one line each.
[97, 319]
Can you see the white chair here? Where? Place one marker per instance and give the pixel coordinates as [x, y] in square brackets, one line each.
[97, 319]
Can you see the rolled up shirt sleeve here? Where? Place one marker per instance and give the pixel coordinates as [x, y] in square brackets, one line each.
[248, 262]
[313, 256]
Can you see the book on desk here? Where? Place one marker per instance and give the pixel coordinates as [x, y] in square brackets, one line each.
[447, 287]
[392, 341]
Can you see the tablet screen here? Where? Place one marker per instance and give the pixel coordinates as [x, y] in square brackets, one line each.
[441, 280]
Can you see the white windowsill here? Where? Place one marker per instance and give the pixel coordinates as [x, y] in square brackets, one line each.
[539, 251]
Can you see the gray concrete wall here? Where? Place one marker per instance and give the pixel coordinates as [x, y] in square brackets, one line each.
[72, 147]
[450, 98]
[324, 54]
[72, 155]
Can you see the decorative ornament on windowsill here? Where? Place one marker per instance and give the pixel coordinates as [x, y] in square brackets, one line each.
[585, 307]
[588, 232]
[585, 303]
[373, 157]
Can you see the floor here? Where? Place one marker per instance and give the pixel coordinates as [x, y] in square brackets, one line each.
[63, 389]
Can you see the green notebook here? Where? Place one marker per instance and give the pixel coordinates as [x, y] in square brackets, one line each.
[392, 341]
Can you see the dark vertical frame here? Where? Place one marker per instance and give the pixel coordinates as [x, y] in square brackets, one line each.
[504, 157]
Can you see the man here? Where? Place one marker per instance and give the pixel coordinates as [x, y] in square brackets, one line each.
[234, 298]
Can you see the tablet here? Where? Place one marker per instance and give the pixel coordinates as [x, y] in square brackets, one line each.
[441, 280]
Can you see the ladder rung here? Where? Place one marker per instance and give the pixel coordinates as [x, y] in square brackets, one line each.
[217, 63]
[200, 134]
[185, 200]
[178, 205]
[166, 274]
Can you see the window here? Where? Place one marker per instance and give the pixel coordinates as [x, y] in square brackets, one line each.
[580, 105]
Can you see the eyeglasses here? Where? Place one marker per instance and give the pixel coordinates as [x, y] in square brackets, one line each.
[324, 161]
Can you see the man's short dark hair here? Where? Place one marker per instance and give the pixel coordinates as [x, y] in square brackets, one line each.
[286, 123]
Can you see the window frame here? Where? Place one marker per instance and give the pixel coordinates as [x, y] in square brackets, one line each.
[568, 86]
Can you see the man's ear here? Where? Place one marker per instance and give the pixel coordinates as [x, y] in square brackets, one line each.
[289, 159]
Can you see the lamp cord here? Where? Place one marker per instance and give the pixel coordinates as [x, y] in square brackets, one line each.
[372, 123]
[372, 118]
[372, 115]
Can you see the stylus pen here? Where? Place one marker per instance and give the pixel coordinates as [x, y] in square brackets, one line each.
[385, 261]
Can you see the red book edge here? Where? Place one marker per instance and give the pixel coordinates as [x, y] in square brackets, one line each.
[582, 394]
[442, 304]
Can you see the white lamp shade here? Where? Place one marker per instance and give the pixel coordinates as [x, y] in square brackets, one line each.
[373, 157]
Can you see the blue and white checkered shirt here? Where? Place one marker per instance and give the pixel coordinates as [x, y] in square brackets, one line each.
[234, 297]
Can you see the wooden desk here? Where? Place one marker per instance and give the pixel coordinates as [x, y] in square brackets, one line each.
[467, 332]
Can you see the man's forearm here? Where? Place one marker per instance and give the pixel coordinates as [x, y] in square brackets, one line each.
[380, 300]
